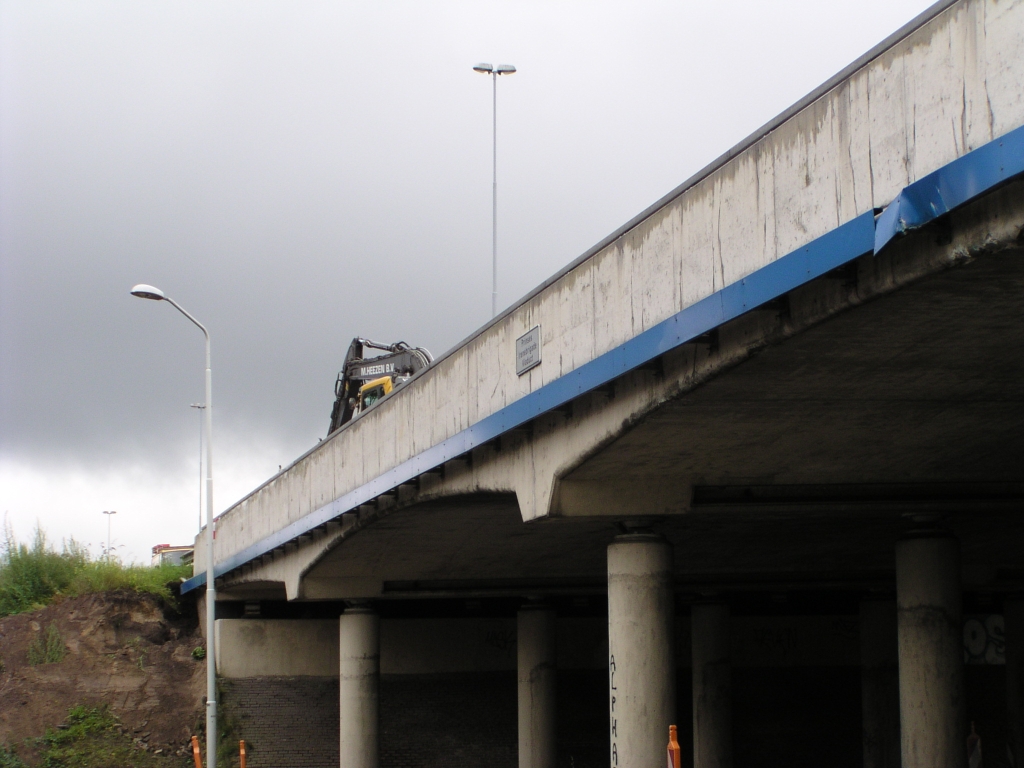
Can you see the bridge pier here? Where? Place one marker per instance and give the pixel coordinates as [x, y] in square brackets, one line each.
[880, 697]
[641, 669]
[712, 686]
[931, 662]
[536, 662]
[1013, 615]
[359, 687]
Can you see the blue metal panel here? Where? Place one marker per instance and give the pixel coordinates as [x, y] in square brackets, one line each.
[952, 185]
[935, 194]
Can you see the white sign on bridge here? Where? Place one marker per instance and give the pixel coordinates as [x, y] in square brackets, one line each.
[528, 350]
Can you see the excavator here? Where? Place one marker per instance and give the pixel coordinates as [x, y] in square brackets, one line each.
[363, 381]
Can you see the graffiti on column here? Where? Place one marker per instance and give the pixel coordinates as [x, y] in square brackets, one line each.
[984, 641]
[612, 718]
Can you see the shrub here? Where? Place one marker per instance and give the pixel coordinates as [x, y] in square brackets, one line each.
[31, 575]
[49, 650]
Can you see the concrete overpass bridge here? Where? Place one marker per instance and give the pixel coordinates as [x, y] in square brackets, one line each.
[760, 477]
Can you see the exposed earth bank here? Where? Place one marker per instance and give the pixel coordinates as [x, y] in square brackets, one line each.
[128, 651]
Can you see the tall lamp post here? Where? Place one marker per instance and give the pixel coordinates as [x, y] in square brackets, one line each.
[109, 514]
[149, 292]
[501, 69]
[201, 407]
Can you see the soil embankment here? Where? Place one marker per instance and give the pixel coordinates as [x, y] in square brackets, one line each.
[124, 650]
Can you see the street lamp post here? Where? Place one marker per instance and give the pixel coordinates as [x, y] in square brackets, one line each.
[201, 407]
[501, 69]
[109, 515]
[149, 292]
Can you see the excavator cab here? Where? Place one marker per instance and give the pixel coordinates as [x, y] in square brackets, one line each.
[375, 390]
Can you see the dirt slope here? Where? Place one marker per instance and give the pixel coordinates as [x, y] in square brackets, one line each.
[124, 649]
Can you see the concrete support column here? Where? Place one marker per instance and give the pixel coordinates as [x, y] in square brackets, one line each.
[712, 686]
[1013, 616]
[879, 684]
[359, 687]
[535, 644]
[931, 656]
[641, 671]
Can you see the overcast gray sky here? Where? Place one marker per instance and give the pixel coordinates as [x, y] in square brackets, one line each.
[299, 173]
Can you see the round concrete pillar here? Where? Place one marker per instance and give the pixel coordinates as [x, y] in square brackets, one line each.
[358, 687]
[879, 684]
[712, 686]
[535, 644]
[931, 656]
[641, 672]
[1013, 616]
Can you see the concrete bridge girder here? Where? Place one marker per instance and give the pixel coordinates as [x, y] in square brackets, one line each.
[633, 451]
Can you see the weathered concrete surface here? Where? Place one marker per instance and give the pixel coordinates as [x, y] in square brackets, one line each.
[947, 88]
[275, 648]
[536, 683]
[641, 662]
[933, 721]
[359, 688]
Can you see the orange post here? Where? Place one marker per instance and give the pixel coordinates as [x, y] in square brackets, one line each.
[674, 754]
[241, 753]
[195, 752]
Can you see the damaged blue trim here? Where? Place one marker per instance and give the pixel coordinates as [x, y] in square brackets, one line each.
[952, 185]
[962, 180]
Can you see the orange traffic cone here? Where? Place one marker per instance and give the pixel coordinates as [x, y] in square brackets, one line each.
[674, 754]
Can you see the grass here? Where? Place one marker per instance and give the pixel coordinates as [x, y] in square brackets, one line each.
[9, 759]
[33, 574]
[91, 738]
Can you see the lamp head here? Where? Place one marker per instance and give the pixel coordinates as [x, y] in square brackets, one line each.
[505, 69]
[485, 69]
[144, 291]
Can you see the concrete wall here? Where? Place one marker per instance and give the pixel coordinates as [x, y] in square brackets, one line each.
[949, 87]
[288, 648]
[276, 648]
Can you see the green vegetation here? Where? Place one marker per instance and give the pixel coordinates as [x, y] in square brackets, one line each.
[8, 759]
[31, 575]
[48, 650]
[92, 738]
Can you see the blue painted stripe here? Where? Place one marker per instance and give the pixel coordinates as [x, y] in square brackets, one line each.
[935, 194]
[951, 186]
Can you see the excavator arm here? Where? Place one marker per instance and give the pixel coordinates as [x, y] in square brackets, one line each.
[399, 363]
